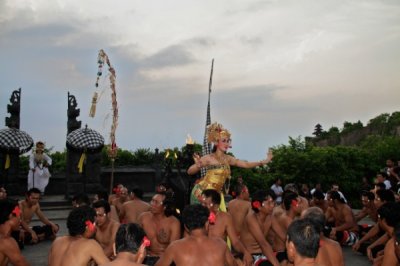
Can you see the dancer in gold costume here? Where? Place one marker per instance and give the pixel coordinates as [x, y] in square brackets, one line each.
[217, 164]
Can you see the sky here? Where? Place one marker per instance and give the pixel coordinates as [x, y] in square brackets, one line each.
[280, 68]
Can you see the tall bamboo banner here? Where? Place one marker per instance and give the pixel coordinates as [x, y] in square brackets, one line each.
[112, 148]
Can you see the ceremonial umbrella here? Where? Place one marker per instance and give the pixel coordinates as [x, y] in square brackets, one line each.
[13, 140]
[85, 139]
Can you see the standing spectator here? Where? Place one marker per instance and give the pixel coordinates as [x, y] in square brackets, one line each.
[382, 178]
[277, 188]
[317, 187]
[335, 187]
[39, 174]
[392, 172]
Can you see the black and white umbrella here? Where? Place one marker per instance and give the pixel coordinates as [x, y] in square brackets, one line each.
[13, 140]
[85, 139]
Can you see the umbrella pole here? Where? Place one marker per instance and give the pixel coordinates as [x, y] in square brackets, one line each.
[112, 176]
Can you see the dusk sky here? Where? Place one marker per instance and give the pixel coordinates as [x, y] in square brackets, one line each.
[280, 67]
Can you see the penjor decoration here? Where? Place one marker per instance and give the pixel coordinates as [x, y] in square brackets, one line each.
[112, 148]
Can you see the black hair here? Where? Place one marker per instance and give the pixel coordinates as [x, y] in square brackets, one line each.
[383, 174]
[195, 216]
[317, 216]
[390, 211]
[305, 237]
[138, 192]
[318, 195]
[381, 185]
[76, 221]
[385, 195]
[260, 196]
[81, 199]
[287, 198]
[102, 204]
[368, 194]
[129, 238]
[336, 196]
[168, 203]
[32, 190]
[239, 189]
[102, 195]
[213, 194]
[6, 207]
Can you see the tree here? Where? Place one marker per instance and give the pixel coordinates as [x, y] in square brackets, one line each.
[318, 130]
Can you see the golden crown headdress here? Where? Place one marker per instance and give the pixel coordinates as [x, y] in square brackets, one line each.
[215, 132]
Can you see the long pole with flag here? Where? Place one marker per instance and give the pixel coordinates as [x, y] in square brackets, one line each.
[207, 146]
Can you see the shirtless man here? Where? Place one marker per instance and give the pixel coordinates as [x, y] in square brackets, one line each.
[131, 210]
[329, 253]
[129, 246]
[31, 206]
[239, 207]
[9, 221]
[160, 226]
[252, 234]
[369, 209]
[119, 201]
[197, 248]
[280, 224]
[346, 228]
[302, 243]
[392, 249]
[106, 228]
[103, 195]
[77, 249]
[223, 225]
[319, 201]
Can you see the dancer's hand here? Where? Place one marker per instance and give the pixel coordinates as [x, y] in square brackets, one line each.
[197, 160]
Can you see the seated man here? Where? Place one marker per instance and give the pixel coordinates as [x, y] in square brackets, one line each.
[302, 242]
[106, 228]
[31, 206]
[253, 235]
[160, 226]
[392, 248]
[77, 249]
[132, 209]
[103, 195]
[223, 225]
[129, 246]
[346, 228]
[239, 207]
[368, 209]
[197, 248]
[330, 253]
[9, 221]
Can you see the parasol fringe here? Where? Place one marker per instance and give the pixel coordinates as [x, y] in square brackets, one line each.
[8, 162]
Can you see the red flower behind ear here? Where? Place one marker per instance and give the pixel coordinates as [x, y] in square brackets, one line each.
[212, 218]
[146, 241]
[295, 203]
[17, 211]
[233, 194]
[90, 225]
[256, 204]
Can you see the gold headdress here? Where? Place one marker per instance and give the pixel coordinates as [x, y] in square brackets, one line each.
[215, 132]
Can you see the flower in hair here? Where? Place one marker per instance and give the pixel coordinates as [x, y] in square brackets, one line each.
[16, 211]
[212, 218]
[146, 241]
[233, 194]
[295, 203]
[90, 225]
[256, 204]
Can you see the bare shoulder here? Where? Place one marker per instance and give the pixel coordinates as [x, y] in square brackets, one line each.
[173, 219]
[145, 216]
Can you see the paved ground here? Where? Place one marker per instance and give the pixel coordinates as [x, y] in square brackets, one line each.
[37, 255]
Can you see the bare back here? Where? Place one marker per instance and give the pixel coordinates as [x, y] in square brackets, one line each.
[238, 209]
[132, 209]
[77, 251]
[329, 253]
[10, 252]
[200, 251]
